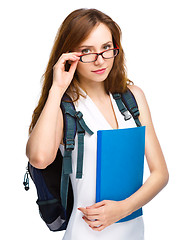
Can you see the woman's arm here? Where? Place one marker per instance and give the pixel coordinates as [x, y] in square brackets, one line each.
[47, 134]
[158, 170]
[107, 212]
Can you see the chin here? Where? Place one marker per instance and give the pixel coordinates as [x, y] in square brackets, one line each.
[99, 78]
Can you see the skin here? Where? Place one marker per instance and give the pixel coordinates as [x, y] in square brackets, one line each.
[108, 212]
[42, 144]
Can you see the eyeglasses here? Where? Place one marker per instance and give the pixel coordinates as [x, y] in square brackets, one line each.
[92, 57]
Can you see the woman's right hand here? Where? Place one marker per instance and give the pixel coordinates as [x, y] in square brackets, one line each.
[62, 78]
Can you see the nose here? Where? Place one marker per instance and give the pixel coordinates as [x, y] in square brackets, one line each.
[100, 60]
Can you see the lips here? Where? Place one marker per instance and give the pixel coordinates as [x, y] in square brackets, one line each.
[99, 71]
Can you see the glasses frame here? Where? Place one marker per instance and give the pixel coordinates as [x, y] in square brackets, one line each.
[101, 53]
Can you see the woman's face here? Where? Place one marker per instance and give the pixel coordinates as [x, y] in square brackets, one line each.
[99, 40]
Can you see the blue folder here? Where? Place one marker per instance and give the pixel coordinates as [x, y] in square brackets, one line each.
[120, 165]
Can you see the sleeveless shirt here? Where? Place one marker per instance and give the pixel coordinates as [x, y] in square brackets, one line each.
[84, 189]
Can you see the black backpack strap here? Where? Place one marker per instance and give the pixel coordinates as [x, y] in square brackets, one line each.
[69, 136]
[81, 129]
[121, 106]
[127, 101]
[73, 122]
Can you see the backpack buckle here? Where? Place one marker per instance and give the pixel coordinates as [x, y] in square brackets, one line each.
[78, 115]
[69, 144]
[81, 131]
[126, 115]
[135, 111]
[116, 96]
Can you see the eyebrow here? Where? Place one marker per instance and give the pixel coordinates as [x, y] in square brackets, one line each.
[93, 46]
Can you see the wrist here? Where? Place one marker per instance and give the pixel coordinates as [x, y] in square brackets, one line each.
[127, 207]
[57, 91]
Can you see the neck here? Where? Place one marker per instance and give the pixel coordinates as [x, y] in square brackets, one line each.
[94, 90]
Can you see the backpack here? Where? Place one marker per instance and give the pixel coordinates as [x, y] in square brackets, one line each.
[53, 184]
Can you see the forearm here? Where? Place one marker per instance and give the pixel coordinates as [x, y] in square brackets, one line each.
[154, 184]
[41, 144]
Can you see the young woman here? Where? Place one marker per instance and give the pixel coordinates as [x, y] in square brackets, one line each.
[85, 62]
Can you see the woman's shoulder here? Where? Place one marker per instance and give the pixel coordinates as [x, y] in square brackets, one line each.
[137, 91]
[141, 100]
[138, 94]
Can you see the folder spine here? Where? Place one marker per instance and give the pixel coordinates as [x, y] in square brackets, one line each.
[98, 179]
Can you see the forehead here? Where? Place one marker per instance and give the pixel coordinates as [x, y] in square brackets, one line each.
[99, 35]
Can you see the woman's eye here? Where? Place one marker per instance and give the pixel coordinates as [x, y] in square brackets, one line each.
[107, 47]
[86, 51]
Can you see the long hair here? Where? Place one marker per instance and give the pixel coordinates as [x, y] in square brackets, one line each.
[74, 30]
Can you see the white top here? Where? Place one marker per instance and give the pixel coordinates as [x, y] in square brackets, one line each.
[85, 189]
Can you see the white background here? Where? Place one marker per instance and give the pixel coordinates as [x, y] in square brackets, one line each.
[157, 43]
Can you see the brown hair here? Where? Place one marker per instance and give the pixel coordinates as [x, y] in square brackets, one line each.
[74, 30]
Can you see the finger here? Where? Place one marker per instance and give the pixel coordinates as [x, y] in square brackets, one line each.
[90, 212]
[91, 218]
[73, 59]
[82, 209]
[71, 54]
[77, 54]
[73, 67]
[97, 205]
[67, 57]
[92, 223]
[100, 228]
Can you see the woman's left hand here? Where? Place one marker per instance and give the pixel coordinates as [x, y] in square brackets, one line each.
[102, 214]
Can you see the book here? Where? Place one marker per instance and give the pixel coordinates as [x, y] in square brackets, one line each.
[120, 164]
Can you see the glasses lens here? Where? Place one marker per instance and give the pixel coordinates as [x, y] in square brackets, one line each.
[89, 58]
[93, 56]
[110, 53]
